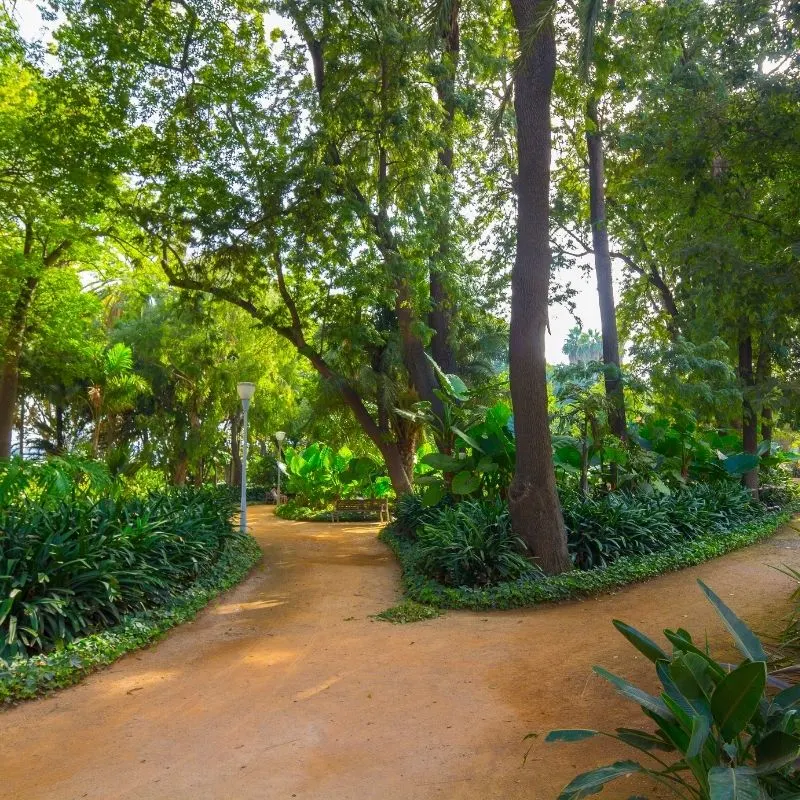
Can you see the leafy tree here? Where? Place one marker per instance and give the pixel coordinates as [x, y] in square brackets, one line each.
[57, 177]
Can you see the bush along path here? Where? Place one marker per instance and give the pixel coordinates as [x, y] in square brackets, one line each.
[466, 557]
[289, 685]
[90, 568]
[24, 678]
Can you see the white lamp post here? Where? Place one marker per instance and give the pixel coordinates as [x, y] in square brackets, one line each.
[246, 392]
[279, 437]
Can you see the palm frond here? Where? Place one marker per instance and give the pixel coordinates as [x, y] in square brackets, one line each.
[589, 16]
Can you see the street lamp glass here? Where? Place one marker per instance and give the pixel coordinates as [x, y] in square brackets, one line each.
[246, 390]
[280, 435]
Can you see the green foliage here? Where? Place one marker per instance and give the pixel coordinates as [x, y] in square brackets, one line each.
[791, 636]
[535, 589]
[607, 527]
[479, 455]
[732, 737]
[408, 611]
[411, 513]
[71, 565]
[52, 482]
[25, 678]
[471, 544]
[318, 476]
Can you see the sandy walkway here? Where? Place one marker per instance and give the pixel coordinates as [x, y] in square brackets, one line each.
[287, 688]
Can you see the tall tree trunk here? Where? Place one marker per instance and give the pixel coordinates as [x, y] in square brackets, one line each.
[12, 351]
[766, 424]
[60, 444]
[440, 318]
[749, 417]
[763, 375]
[533, 500]
[236, 458]
[603, 270]
[181, 469]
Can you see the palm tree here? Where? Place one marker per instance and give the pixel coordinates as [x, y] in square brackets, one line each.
[581, 347]
[115, 390]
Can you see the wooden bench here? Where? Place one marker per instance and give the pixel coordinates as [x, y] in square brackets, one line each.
[379, 507]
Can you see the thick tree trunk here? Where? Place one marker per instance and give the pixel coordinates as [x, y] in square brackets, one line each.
[603, 270]
[181, 470]
[442, 308]
[749, 417]
[533, 499]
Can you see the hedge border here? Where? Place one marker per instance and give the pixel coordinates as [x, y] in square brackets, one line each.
[24, 679]
[527, 591]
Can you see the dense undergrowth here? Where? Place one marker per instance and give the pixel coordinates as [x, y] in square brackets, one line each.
[79, 552]
[465, 555]
[293, 510]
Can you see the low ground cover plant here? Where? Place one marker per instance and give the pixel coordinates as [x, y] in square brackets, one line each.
[722, 731]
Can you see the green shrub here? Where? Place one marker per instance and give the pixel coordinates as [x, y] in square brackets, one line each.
[23, 678]
[778, 487]
[471, 544]
[411, 513]
[733, 737]
[618, 524]
[293, 510]
[532, 589]
[74, 566]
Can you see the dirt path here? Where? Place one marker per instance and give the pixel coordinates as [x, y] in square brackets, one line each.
[287, 688]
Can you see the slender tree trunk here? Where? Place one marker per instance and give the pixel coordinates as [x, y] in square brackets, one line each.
[603, 270]
[440, 318]
[59, 429]
[96, 437]
[749, 417]
[12, 351]
[236, 459]
[766, 424]
[533, 499]
[763, 375]
[585, 460]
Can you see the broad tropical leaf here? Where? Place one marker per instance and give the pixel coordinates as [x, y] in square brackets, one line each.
[728, 783]
[737, 697]
[745, 639]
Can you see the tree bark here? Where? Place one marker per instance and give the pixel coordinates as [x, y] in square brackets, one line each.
[181, 469]
[603, 271]
[763, 375]
[749, 417]
[236, 459]
[60, 444]
[12, 351]
[533, 500]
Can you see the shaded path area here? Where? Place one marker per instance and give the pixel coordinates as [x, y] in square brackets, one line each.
[286, 687]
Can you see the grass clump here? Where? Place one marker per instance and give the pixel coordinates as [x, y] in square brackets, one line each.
[408, 611]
